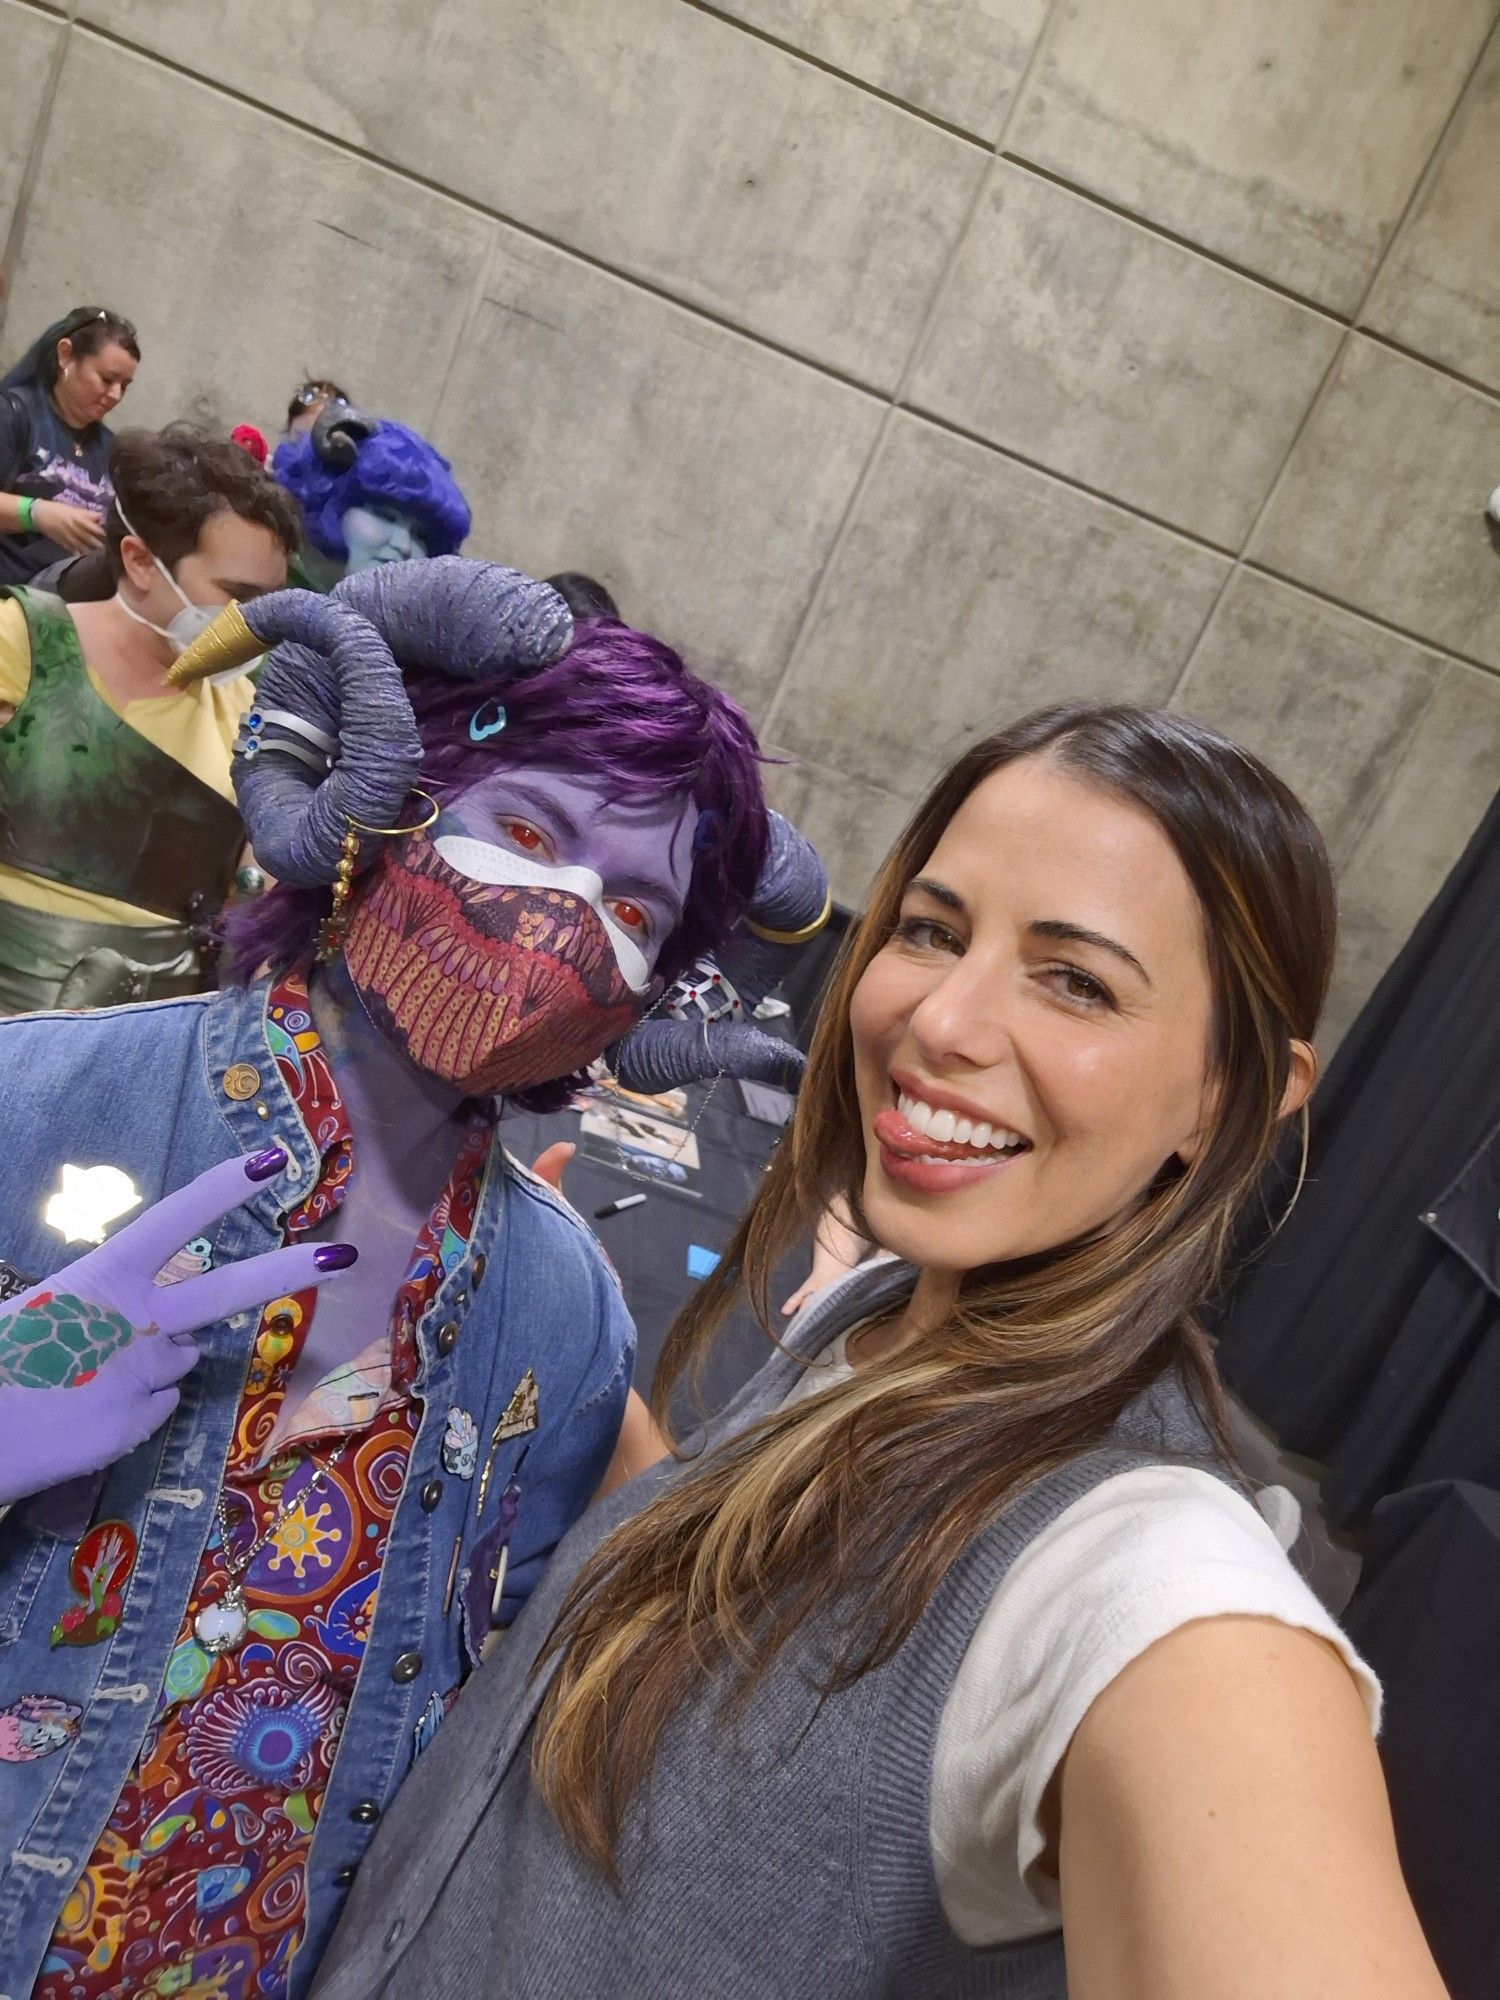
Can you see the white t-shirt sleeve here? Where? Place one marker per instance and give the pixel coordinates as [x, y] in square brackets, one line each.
[1142, 1554]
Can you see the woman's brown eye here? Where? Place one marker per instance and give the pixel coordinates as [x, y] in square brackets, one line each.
[522, 834]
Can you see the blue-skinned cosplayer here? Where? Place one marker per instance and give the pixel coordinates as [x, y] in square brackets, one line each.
[234, 1610]
[371, 491]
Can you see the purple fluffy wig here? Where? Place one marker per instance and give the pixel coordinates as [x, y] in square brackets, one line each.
[618, 707]
[394, 467]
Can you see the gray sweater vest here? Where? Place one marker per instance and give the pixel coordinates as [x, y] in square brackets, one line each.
[780, 1856]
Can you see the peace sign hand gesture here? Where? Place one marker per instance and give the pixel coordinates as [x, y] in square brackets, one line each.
[90, 1359]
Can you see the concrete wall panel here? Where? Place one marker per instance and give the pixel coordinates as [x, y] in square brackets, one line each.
[286, 246]
[1286, 135]
[27, 44]
[960, 60]
[652, 274]
[702, 477]
[657, 138]
[970, 590]
[852, 825]
[1435, 799]
[1099, 349]
[1326, 698]
[1439, 291]
[1382, 505]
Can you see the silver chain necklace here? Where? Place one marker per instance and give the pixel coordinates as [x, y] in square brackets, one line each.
[221, 1627]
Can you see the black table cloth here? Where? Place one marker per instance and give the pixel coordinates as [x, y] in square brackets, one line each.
[1427, 1617]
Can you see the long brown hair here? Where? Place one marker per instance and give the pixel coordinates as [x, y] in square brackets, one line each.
[1037, 1359]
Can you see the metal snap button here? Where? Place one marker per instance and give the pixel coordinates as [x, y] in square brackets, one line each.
[406, 1668]
[447, 1337]
[432, 1492]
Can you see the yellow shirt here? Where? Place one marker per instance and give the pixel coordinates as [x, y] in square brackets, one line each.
[195, 727]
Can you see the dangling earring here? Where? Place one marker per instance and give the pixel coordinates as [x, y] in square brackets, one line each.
[335, 926]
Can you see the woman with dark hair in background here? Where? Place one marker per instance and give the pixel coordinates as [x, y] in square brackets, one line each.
[54, 442]
[309, 403]
[119, 835]
[956, 1639]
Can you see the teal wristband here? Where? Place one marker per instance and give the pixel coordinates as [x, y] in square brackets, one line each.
[26, 509]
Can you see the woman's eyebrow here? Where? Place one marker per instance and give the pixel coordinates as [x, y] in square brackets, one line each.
[939, 892]
[1064, 933]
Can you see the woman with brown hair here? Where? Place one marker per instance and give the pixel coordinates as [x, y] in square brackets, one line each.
[952, 1658]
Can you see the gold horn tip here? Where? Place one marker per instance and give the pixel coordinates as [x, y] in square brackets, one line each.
[226, 644]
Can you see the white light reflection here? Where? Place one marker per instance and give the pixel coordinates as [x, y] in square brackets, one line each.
[87, 1201]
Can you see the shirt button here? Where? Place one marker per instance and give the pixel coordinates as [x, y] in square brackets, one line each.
[447, 1336]
[365, 1813]
[432, 1492]
[393, 1935]
[406, 1668]
[344, 1877]
[478, 1269]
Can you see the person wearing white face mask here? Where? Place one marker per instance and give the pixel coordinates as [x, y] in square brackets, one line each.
[119, 836]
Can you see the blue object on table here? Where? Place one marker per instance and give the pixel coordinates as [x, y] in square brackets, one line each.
[701, 1261]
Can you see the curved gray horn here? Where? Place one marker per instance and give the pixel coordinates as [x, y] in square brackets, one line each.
[331, 736]
[339, 429]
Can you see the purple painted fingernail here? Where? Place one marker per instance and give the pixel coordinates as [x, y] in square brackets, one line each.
[261, 1166]
[335, 1256]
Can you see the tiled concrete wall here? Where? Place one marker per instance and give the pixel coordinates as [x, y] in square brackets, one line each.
[910, 362]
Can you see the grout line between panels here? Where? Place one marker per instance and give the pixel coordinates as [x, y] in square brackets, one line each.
[1245, 559]
[821, 586]
[20, 215]
[826, 68]
[1319, 307]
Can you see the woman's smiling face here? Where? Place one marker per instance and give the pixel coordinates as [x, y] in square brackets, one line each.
[1047, 980]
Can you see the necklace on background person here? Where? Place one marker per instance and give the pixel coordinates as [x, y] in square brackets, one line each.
[222, 1626]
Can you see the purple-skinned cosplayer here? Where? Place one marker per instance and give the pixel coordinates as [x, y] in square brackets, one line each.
[498, 841]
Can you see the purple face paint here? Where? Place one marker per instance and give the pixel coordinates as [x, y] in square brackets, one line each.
[642, 852]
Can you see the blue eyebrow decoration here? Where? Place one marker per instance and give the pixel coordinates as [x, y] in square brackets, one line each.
[482, 727]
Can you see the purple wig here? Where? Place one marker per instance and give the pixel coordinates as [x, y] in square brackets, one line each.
[393, 467]
[618, 707]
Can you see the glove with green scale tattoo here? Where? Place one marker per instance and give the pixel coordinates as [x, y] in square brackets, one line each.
[90, 1359]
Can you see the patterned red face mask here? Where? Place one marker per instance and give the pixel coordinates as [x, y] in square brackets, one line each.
[491, 987]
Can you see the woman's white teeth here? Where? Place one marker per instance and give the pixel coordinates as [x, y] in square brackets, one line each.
[946, 1127]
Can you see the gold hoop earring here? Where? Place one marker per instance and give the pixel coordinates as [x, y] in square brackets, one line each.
[1306, 1117]
[334, 927]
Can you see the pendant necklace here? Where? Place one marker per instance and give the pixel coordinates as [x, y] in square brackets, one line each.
[221, 1627]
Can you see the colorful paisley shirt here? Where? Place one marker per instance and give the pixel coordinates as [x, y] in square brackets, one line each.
[197, 1886]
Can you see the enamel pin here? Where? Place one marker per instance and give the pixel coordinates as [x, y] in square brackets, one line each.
[520, 1416]
[34, 1725]
[101, 1564]
[460, 1444]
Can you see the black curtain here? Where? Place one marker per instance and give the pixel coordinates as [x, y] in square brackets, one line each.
[1359, 1333]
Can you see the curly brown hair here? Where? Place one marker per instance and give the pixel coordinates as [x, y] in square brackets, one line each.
[172, 482]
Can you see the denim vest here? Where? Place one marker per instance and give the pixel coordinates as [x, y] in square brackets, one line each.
[144, 1089]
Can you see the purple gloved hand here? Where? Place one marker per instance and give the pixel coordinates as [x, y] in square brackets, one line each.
[90, 1359]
